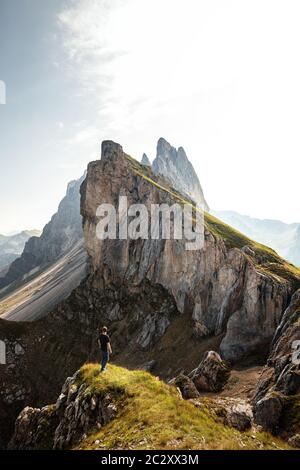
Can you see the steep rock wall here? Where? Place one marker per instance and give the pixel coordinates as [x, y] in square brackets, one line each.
[221, 289]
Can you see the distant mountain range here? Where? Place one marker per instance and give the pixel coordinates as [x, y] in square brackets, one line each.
[11, 246]
[58, 238]
[283, 238]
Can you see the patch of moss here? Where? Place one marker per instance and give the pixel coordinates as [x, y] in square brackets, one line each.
[97, 383]
[153, 416]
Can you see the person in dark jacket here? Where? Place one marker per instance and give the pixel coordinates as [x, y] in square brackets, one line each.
[106, 349]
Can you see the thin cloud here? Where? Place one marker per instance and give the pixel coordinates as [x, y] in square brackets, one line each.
[219, 78]
[130, 68]
[85, 135]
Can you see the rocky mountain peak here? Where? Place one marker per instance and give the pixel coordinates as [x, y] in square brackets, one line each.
[175, 166]
[145, 160]
[165, 150]
[163, 146]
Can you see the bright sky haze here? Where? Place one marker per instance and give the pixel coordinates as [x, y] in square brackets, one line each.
[218, 77]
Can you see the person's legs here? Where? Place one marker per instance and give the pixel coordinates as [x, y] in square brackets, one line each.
[105, 359]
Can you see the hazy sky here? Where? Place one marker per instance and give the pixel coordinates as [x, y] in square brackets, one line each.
[220, 78]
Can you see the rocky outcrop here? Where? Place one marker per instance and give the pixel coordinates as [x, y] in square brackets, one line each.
[279, 386]
[212, 374]
[62, 425]
[58, 237]
[34, 429]
[233, 412]
[268, 410]
[174, 165]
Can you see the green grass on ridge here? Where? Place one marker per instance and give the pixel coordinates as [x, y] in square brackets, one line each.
[151, 415]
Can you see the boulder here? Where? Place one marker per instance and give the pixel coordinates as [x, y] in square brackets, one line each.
[186, 386]
[234, 412]
[240, 417]
[268, 410]
[212, 374]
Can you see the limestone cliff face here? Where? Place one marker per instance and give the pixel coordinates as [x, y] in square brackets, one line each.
[174, 165]
[220, 289]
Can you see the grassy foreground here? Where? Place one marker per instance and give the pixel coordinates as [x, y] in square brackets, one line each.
[151, 415]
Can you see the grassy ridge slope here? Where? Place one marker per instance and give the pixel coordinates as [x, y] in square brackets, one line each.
[153, 416]
[266, 260]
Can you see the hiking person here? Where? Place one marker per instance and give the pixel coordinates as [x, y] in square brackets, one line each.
[106, 349]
